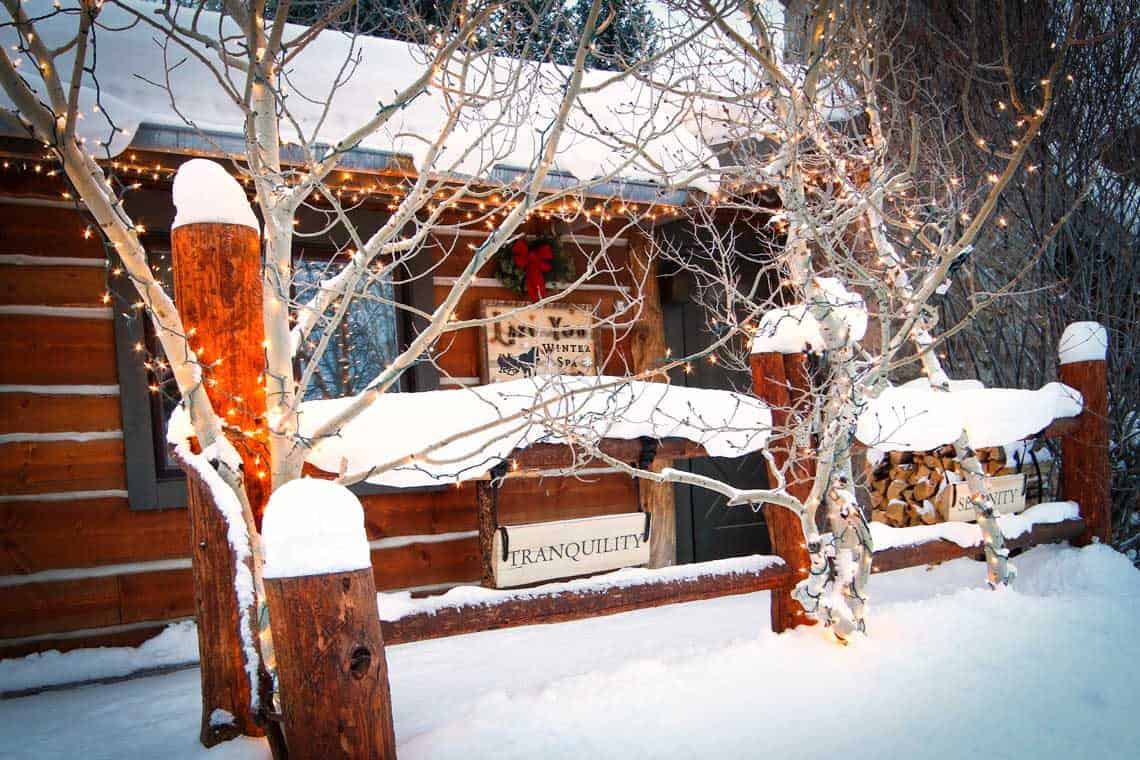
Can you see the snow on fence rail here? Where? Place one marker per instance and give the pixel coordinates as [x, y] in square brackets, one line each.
[637, 421]
[505, 418]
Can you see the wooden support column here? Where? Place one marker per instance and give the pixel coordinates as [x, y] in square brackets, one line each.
[781, 380]
[217, 287]
[488, 522]
[647, 344]
[331, 667]
[328, 647]
[1086, 475]
[487, 511]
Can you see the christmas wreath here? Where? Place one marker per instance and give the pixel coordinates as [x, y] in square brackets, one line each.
[527, 266]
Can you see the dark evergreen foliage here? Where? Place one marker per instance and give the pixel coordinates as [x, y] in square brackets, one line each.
[543, 30]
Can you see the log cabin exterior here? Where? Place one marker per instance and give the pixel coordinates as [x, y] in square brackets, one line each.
[95, 536]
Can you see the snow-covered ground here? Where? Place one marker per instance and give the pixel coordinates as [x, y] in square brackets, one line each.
[1048, 670]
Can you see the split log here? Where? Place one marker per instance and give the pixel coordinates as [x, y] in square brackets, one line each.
[567, 605]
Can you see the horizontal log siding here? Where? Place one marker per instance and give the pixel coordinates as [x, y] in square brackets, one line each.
[36, 536]
[46, 350]
[35, 467]
[21, 284]
[53, 413]
[41, 608]
[46, 231]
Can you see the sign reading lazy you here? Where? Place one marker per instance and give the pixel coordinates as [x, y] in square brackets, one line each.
[523, 554]
[556, 339]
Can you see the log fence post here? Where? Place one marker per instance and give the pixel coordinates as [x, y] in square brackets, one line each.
[328, 648]
[217, 288]
[647, 350]
[781, 381]
[1086, 473]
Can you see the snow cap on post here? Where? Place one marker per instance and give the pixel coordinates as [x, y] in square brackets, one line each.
[1083, 342]
[205, 192]
[313, 527]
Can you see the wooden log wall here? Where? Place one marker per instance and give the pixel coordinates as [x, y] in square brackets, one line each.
[78, 567]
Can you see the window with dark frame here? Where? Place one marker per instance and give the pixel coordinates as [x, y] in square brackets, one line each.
[369, 337]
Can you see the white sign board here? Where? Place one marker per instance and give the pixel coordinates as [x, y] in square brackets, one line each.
[556, 339]
[1008, 492]
[523, 554]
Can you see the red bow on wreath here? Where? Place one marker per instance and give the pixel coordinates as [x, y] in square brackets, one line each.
[535, 263]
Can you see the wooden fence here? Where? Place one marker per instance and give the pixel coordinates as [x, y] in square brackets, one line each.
[780, 380]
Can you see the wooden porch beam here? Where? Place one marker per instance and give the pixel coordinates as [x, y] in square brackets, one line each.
[575, 605]
[941, 550]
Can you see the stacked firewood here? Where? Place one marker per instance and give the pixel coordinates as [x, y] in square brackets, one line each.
[905, 485]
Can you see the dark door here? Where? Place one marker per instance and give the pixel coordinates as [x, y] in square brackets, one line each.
[707, 528]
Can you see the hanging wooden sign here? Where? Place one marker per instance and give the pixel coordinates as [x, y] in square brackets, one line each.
[524, 554]
[556, 339]
[1008, 492]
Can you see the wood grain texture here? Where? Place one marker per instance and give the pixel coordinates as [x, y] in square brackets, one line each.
[45, 413]
[129, 638]
[425, 564]
[52, 286]
[50, 535]
[417, 513]
[781, 381]
[35, 608]
[530, 500]
[647, 350]
[543, 456]
[575, 605]
[218, 289]
[486, 513]
[39, 608]
[1086, 475]
[225, 682]
[217, 285]
[39, 350]
[331, 666]
[43, 231]
[31, 467]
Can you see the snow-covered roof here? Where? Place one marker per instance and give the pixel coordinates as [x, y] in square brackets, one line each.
[131, 59]
[916, 417]
[399, 428]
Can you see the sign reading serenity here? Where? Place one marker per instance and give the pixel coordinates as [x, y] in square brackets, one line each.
[523, 554]
[556, 339]
[1007, 491]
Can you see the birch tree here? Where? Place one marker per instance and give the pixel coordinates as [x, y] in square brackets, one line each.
[844, 210]
[476, 62]
[839, 161]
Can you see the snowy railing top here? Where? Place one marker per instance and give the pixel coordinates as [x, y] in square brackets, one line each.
[443, 437]
[916, 417]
